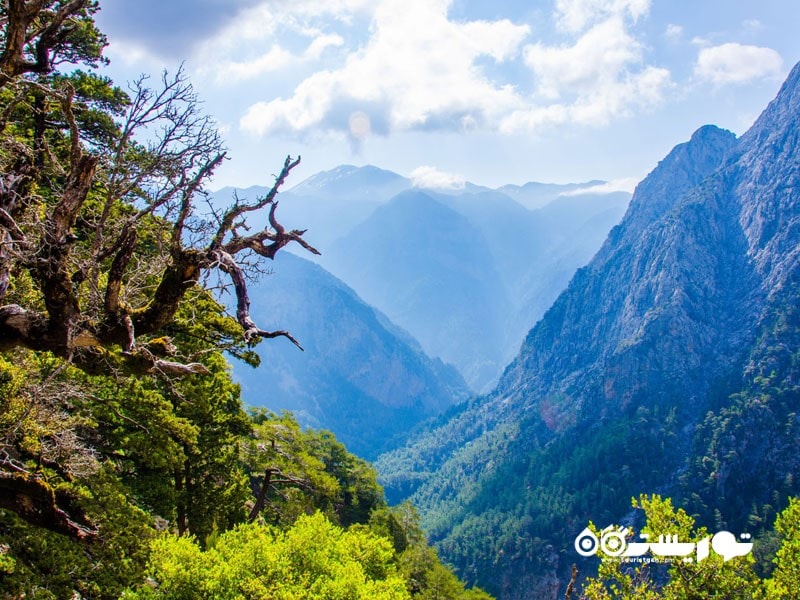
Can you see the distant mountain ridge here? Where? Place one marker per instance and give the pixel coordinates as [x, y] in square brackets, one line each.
[359, 376]
[533, 195]
[473, 318]
[670, 364]
[348, 182]
[430, 270]
[468, 273]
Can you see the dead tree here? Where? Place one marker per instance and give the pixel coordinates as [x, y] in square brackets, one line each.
[97, 323]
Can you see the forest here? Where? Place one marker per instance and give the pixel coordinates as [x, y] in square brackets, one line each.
[128, 463]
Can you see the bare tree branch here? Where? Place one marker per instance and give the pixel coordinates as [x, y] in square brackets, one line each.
[251, 330]
[148, 180]
[238, 209]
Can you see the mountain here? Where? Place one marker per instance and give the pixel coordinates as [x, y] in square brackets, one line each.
[359, 376]
[328, 204]
[524, 258]
[670, 364]
[432, 273]
[347, 182]
[568, 232]
[536, 252]
[469, 273]
[534, 194]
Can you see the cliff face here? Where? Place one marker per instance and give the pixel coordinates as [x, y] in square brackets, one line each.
[648, 308]
[652, 372]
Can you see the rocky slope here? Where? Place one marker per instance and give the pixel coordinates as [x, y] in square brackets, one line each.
[665, 366]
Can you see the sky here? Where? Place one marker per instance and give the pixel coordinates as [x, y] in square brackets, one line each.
[448, 91]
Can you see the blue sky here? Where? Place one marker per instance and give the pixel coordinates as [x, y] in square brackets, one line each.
[452, 90]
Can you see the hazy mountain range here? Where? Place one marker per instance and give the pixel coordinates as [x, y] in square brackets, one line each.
[465, 271]
[358, 376]
[426, 279]
[670, 364]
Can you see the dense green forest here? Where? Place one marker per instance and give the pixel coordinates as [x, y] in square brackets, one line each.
[128, 464]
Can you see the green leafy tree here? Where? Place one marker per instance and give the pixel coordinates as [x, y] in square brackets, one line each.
[109, 457]
[312, 559]
[104, 254]
[678, 580]
[295, 472]
[177, 442]
[785, 581]
[425, 575]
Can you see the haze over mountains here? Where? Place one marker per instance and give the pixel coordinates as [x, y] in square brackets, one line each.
[359, 375]
[670, 364]
[465, 271]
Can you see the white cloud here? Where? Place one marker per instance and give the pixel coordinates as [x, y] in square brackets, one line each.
[597, 58]
[418, 70]
[735, 63]
[596, 106]
[577, 15]
[597, 78]
[753, 25]
[673, 32]
[428, 177]
[627, 184]
[322, 43]
[134, 55]
[311, 100]
[274, 59]
[249, 46]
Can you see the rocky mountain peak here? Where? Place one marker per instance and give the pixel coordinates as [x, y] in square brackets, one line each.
[766, 173]
[683, 168]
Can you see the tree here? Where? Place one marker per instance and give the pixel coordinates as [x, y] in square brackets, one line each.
[785, 580]
[102, 460]
[419, 564]
[679, 580]
[38, 35]
[177, 443]
[312, 559]
[293, 472]
[99, 198]
[103, 242]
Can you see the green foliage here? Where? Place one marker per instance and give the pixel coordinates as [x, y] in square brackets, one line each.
[424, 574]
[709, 578]
[306, 471]
[312, 559]
[49, 565]
[514, 500]
[120, 424]
[785, 581]
[746, 456]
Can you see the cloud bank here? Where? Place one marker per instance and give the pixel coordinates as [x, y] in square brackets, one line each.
[361, 68]
[420, 70]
